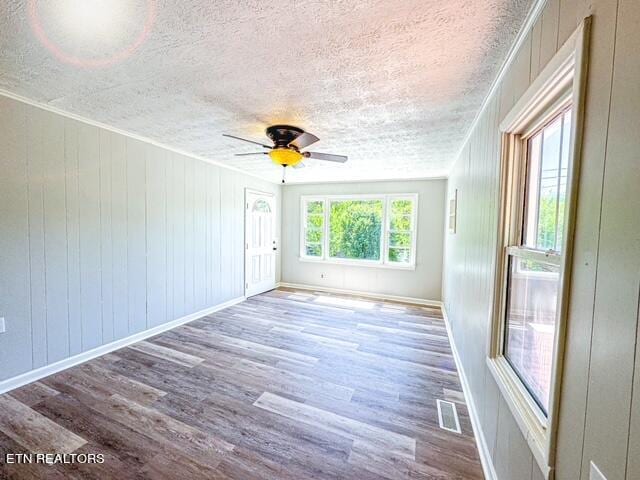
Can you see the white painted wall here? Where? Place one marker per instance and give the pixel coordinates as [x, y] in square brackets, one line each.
[103, 236]
[600, 402]
[424, 282]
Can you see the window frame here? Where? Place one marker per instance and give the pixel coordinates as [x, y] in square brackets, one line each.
[387, 230]
[303, 227]
[560, 84]
[384, 261]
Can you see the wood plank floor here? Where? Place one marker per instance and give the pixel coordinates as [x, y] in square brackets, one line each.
[287, 385]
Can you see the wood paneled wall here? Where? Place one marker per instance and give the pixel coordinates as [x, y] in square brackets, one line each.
[600, 403]
[103, 236]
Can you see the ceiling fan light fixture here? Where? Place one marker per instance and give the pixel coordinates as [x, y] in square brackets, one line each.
[288, 141]
[286, 157]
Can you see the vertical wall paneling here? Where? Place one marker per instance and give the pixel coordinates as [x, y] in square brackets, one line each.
[596, 407]
[106, 234]
[15, 305]
[171, 213]
[156, 164]
[587, 234]
[536, 35]
[179, 245]
[208, 216]
[55, 237]
[136, 234]
[522, 71]
[521, 462]
[234, 236]
[89, 199]
[208, 252]
[549, 31]
[216, 236]
[570, 15]
[618, 280]
[200, 236]
[189, 235]
[72, 189]
[226, 232]
[238, 236]
[119, 236]
[501, 461]
[35, 175]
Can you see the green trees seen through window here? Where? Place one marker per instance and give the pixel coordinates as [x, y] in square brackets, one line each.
[355, 229]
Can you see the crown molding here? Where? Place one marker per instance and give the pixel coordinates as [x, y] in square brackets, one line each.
[104, 126]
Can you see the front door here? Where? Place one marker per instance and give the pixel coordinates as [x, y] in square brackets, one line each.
[260, 245]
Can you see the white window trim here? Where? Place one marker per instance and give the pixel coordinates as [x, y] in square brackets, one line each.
[303, 225]
[384, 262]
[562, 82]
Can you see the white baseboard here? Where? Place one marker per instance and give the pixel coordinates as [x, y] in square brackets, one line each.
[481, 442]
[37, 374]
[380, 296]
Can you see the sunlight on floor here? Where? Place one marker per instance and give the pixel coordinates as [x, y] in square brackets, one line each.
[393, 309]
[344, 302]
[299, 296]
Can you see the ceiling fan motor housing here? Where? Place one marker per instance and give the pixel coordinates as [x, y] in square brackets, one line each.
[283, 135]
[283, 153]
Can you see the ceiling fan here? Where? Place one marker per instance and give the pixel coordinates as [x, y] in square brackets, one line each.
[288, 143]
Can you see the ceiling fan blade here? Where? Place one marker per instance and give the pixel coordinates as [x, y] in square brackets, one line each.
[245, 140]
[299, 165]
[252, 153]
[304, 140]
[325, 156]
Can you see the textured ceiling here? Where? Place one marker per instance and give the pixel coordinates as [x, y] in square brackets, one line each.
[392, 84]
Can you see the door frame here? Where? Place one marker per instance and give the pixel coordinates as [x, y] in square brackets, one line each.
[254, 191]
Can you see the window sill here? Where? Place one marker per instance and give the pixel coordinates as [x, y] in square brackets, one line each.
[527, 414]
[355, 263]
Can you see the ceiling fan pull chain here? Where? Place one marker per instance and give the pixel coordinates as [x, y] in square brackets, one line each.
[284, 172]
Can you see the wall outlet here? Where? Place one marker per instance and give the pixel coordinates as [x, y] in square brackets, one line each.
[3, 327]
[595, 473]
[322, 275]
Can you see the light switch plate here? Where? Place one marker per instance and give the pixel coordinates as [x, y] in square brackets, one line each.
[3, 327]
[595, 473]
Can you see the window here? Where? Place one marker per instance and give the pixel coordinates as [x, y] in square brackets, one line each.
[313, 228]
[548, 157]
[400, 231]
[261, 206]
[540, 152]
[366, 230]
[530, 324]
[533, 272]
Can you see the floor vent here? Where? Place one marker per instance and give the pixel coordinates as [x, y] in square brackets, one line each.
[448, 416]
